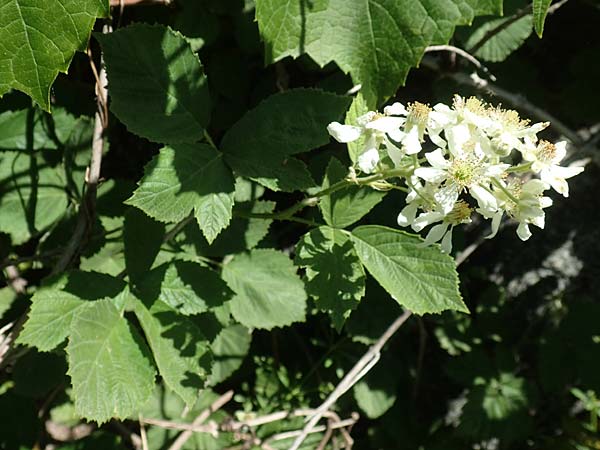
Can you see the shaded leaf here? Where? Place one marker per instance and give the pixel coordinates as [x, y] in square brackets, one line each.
[260, 145]
[156, 83]
[344, 207]
[376, 41]
[183, 178]
[143, 238]
[180, 349]
[268, 291]
[229, 350]
[540, 10]
[335, 275]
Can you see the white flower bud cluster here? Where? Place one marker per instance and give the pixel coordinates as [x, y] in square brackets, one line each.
[478, 158]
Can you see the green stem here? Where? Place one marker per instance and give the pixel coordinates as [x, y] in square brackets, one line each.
[520, 168]
[209, 140]
[506, 191]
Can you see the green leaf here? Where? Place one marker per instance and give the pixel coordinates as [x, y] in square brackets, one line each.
[110, 259]
[261, 144]
[229, 350]
[109, 366]
[422, 279]
[376, 393]
[376, 41]
[24, 130]
[32, 194]
[156, 83]
[39, 39]
[344, 207]
[241, 235]
[143, 238]
[186, 287]
[7, 298]
[53, 307]
[335, 275]
[540, 10]
[183, 178]
[269, 293]
[180, 349]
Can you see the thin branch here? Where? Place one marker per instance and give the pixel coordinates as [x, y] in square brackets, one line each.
[517, 100]
[508, 22]
[216, 405]
[143, 435]
[87, 209]
[360, 369]
[466, 55]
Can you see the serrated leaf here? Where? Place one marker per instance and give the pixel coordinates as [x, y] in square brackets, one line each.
[260, 145]
[540, 10]
[269, 293]
[422, 279]
[32, 194]
[335, 275]
[344, 207]
[241, 235]
[38, 40]
[109, 366]
[180, 349]
[183, 178]
[156, 83]
[110, 259]
[376, 393]
[376, 41]
[53, 308]
[143, 238]
[229, 350]
[186, 287]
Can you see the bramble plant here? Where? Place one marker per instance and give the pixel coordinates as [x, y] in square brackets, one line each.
[217, 215]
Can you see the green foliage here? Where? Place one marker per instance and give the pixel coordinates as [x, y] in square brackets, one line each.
[343, 208]
[335, 276]
[109, 368]
[159, 94]
[185, 178]
[232, 244]
[261, 144]
[421, 279]
[540, 9]
[39, 39]
[268, 293]
[376, 42]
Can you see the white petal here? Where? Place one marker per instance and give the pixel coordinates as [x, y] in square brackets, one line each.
[396, 135]
[495, 170]
[385, 124]
[496, 220]
[411, 142]
[368, 160]
[395, 109]
[394, 152]
[437, 160]
[523, 231]
[425, 219]
[457, 136]
[437, 140]
[431, 174]
[344, 133]
[447, 197]
[539, 221]
[545, 202]
[485, 199]
[436, 233]
[561, 151]
[407, 215]
[447, 242]
[366, 118]
[566, 172]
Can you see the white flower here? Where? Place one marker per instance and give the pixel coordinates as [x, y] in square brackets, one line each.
[461, 213]
[545, 158]
[523, 202]
[457, 174]
[375, 128]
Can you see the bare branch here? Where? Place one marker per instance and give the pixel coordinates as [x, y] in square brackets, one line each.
[216, 405]
[123, 3]
[360, 369]
[466, 55]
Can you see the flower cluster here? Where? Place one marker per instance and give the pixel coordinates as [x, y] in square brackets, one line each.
[476, 158]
